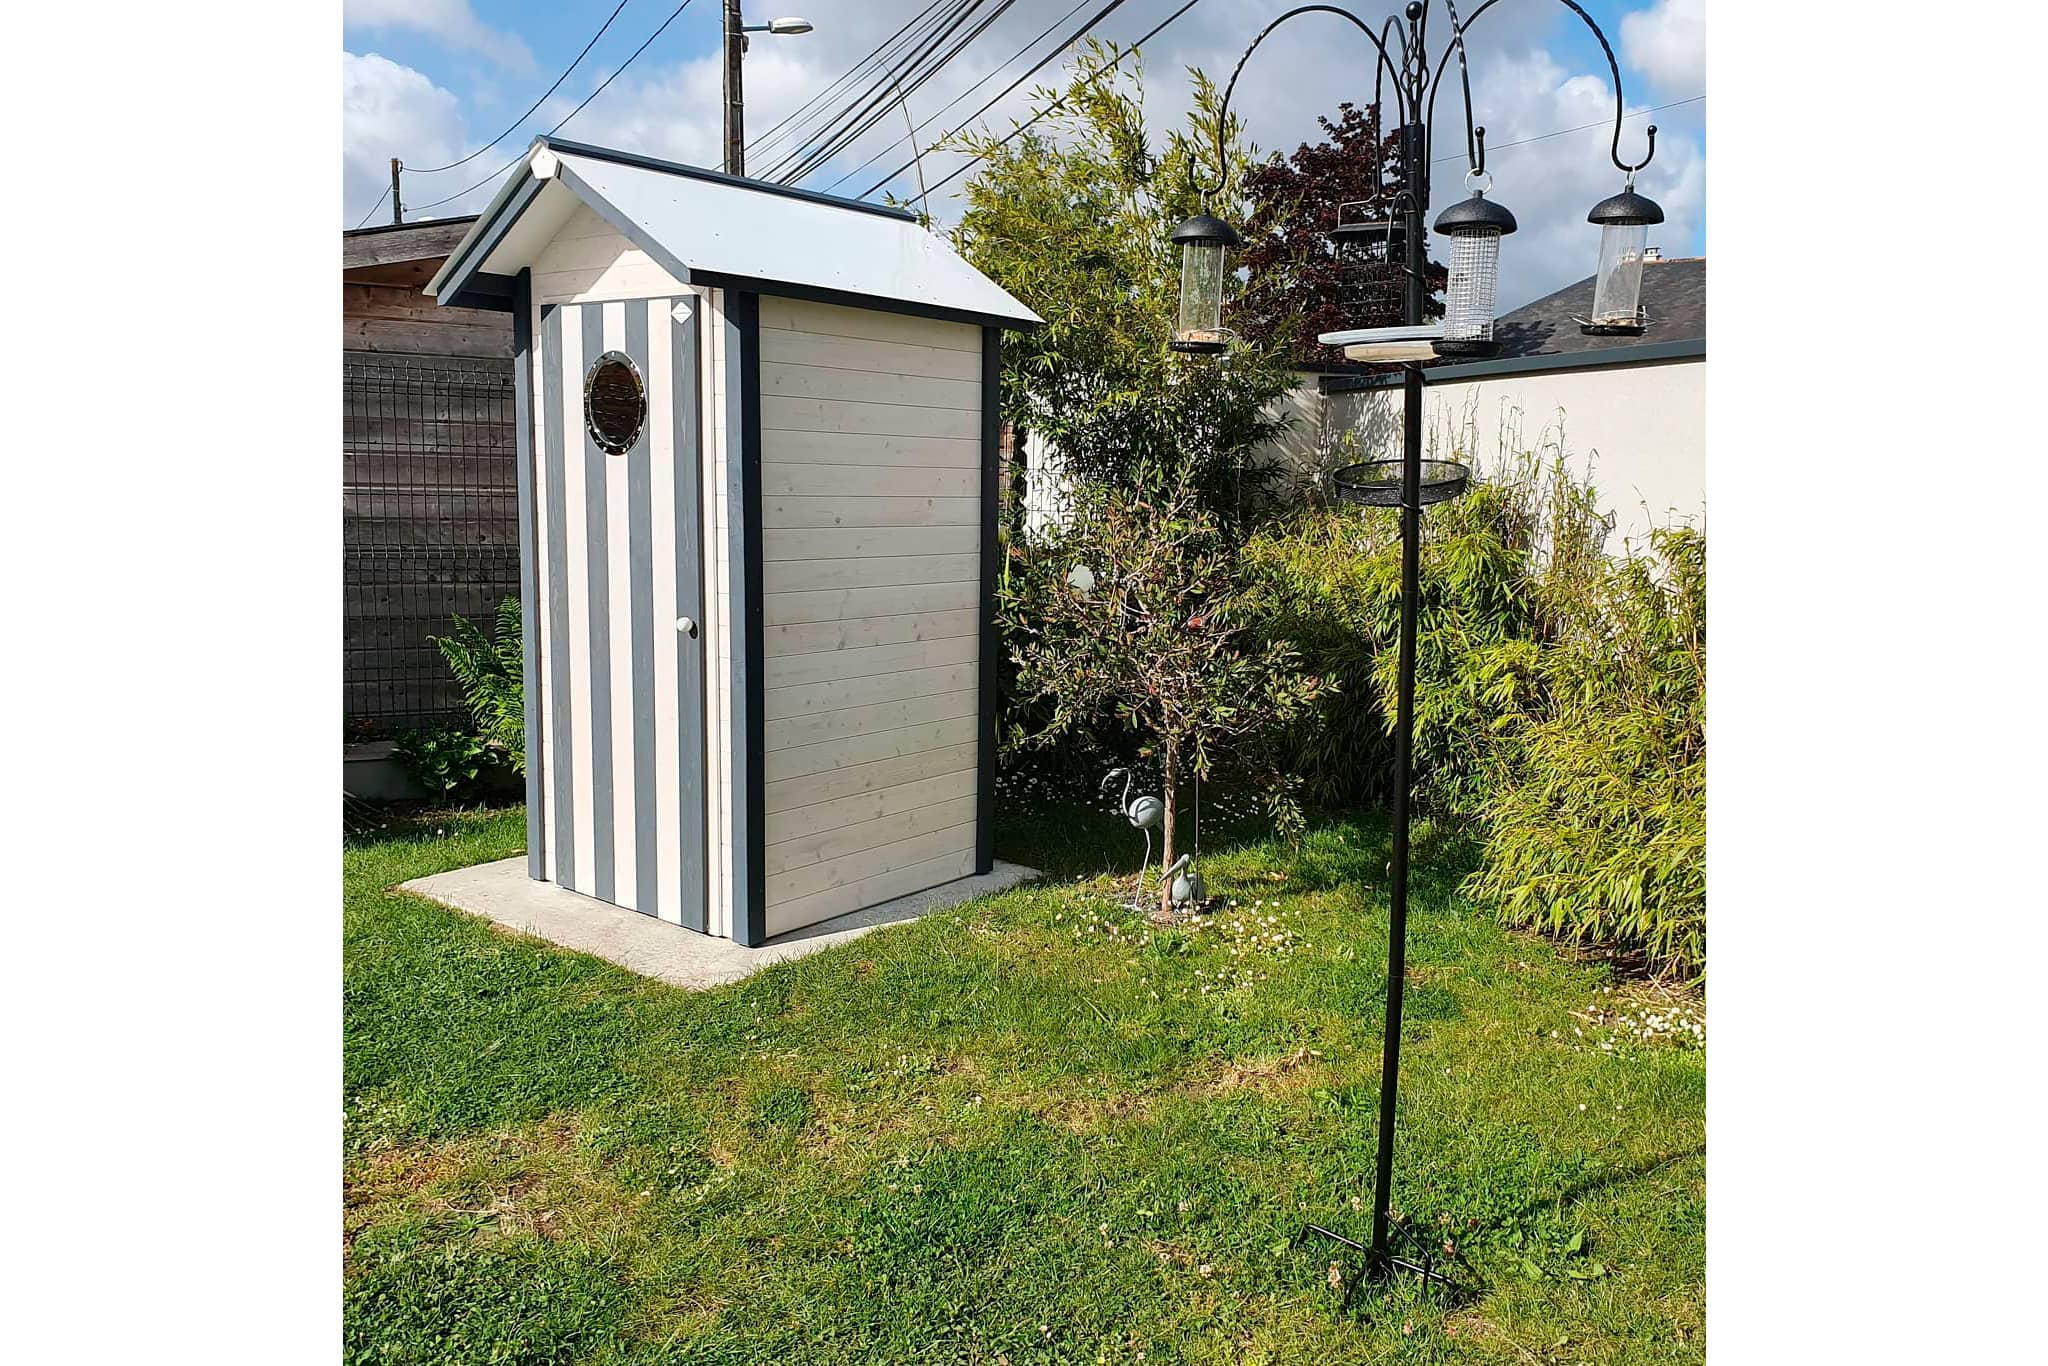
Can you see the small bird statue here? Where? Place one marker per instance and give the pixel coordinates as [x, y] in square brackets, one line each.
[1146, 813]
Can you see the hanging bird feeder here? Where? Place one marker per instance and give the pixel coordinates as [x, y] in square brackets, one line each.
[1475, 226]
[1205, 242]
[1624, 221]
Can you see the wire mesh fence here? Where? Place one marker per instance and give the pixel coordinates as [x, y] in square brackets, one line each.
[430, 526]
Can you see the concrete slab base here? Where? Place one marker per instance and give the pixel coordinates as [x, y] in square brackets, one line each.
[502, 892]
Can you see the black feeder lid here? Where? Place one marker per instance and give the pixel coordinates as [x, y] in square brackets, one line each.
[1206, 228]
[1625, 209]
[1477, 214]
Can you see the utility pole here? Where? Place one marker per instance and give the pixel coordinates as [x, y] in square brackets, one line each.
[397, 209]
[735, 100]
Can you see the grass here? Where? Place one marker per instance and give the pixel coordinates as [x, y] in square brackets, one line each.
[1027, 1131]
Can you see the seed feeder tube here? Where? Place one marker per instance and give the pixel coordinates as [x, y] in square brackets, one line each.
[1624, 221]
[1205, 242]
[1475, 226]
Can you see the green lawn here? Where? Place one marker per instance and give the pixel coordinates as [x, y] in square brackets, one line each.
[1026, 1131]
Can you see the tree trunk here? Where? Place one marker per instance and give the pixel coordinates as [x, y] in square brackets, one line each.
[1166, 853]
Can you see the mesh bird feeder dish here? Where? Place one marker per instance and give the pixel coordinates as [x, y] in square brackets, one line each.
[1624, 221]
[1475, 227]
[1377, 483]
[1205, 244]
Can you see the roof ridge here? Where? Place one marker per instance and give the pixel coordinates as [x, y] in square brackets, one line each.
[740, 182]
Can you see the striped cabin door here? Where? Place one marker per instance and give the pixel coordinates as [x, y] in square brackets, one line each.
[622, 680]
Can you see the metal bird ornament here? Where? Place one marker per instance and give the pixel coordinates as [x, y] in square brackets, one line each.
[1146, 812]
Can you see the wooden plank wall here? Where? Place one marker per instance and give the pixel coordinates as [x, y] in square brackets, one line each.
[871, 533]
[429, 491]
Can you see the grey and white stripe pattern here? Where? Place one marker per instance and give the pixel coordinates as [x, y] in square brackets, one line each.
[623, 685]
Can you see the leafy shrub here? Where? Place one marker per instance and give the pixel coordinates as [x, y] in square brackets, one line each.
[1596, 820]
[490, 668]
[453, 764]
[1329, 584]
[1559, 696]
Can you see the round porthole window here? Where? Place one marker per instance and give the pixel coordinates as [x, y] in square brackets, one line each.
[614, 402]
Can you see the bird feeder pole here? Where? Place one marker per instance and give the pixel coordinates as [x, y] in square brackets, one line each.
[1403, 61]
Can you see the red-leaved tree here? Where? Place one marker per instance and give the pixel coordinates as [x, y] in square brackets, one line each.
[1300, 283]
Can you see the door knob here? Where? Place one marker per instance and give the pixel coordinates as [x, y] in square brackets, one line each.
[688, 626]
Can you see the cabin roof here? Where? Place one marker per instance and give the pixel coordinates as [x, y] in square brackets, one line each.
[709, 228]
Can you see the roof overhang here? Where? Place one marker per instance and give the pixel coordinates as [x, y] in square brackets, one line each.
[715, 230]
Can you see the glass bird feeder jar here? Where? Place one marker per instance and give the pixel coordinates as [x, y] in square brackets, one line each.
[1475, 226]
[1205, 244]
[1624, 221]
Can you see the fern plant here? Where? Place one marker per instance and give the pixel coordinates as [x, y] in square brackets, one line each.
[490, 669]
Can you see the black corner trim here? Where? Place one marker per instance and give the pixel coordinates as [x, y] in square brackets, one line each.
[991, 563]
[751, 915]
[495, 293]
[521, 308]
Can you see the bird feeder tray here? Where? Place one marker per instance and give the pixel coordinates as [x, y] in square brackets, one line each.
[1588, 328]
[1200, 341]
[1467, 348]
[1377, 483]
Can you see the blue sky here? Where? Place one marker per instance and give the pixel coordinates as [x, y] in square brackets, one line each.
[428, 81]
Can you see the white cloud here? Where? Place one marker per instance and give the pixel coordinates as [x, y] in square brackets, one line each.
[1668, 43]
[450, 21]
[1521, 90]
[389, 110]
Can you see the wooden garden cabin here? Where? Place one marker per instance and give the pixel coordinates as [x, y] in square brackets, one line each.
[757, 435]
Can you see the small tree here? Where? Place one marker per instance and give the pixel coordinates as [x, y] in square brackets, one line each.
[1132, 612]
[1300, 283]
[1073, 216]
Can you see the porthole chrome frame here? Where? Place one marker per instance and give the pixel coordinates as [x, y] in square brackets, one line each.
[605, 443]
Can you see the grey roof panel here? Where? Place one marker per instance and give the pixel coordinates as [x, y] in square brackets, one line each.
[1674, 297]
[726, 228]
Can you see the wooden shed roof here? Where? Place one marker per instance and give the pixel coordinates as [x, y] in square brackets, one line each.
[713, 229]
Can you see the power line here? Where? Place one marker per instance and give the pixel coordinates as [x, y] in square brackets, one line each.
[853, 122]
[1157, 29]
[879, 106]
[513, 127]
[762, 141]
[376, 206]
[911, 136]
[890, 66]
[1600, 123]
[566, 117]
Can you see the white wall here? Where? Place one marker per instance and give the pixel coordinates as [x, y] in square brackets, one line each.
[1639, 429]
[871, 581]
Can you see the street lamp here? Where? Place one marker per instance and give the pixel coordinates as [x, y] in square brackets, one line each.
[1475, 226]
[736, 31]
